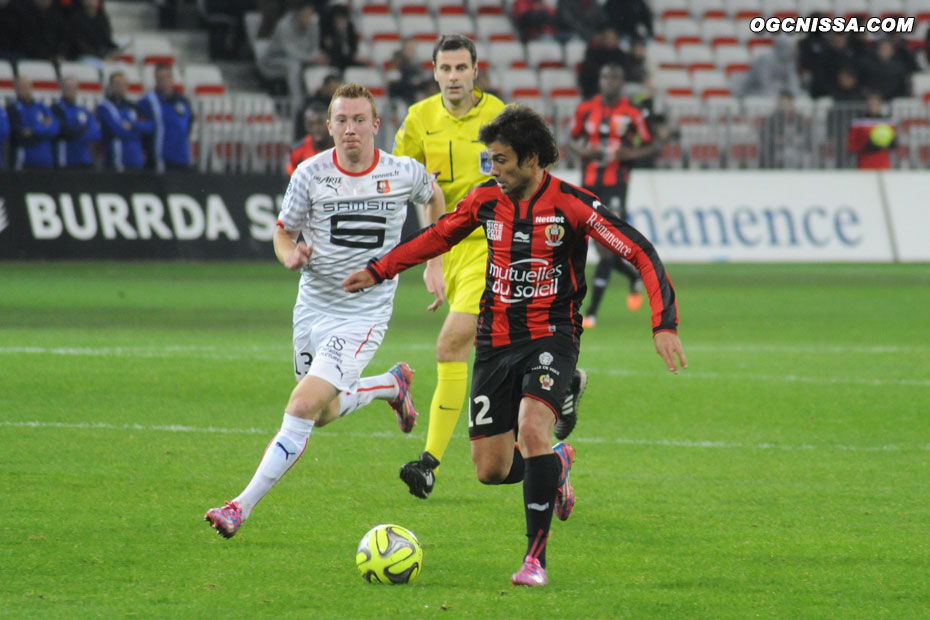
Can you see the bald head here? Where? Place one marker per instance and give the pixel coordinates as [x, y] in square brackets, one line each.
[23, 88]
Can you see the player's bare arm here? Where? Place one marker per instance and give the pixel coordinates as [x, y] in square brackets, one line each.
[290, 253]
[432, 275]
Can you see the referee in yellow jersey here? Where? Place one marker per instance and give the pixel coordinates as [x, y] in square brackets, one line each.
[441, 132]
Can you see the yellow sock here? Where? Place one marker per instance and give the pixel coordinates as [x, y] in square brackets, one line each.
[451, 383]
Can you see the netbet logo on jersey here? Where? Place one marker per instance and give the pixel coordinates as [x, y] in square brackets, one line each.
[525, 279]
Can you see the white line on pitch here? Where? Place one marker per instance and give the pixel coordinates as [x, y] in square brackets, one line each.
[278, 353]
[666, 443]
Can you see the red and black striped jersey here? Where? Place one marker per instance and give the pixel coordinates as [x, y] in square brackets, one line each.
[535, 280]
[606, 127]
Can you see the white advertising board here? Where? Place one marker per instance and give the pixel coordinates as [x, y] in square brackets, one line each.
[908, 195]
[759, 216]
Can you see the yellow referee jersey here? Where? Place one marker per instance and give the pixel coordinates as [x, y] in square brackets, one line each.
[449, 146]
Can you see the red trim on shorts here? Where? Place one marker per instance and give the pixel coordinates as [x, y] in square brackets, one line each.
[357, 174]
[367, 336]
[557, 413]
[279, 223]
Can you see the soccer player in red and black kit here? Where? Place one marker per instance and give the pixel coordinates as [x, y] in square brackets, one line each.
[603, 132]
[529, 326]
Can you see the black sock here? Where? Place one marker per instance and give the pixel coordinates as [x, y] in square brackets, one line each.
[517, 468]
[601, 278]
[539, 487]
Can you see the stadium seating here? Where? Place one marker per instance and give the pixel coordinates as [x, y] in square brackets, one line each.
[87, 76]
[574, 53]
[544, 53]
[7, 79]
[558, 82]
[920, 84]
[458, 23]
[203, 79]
[44, 78]
[709, 9]
[153, 50]
[851, 8]
[421, 27]
[918, 8]
[506, 54]
[491, 27]
[378, 27]
[518, 83]
[697, 56]
[371, 78]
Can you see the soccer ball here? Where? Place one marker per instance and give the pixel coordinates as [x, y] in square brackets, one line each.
[882, 135]
[389, 554]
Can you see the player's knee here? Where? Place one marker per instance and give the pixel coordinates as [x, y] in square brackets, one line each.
[454, 349]
[490, 471]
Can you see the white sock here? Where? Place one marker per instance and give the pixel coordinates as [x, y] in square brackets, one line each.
[368, 388]
[280, 455]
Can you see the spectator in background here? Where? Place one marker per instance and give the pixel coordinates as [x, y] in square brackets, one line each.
[9, 30]
[873, 136]
[123, 126]
[885, 73]
[847, 86]
[786, 137]
[632, 19]
[824, 72]
[636, 70]
[90, 35]
[603, 49]
[339, 40]
[295, 43]
[604, 131]
[579, 18]
[320, 97]
[79, 129]
[773, 71]
[4, 132]
[534, 19]
[168, 147]
[316, 140]
[811, 50]
[42, 31]
[33, 128]
[405, 76]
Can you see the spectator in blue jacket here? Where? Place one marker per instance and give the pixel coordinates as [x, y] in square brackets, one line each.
[33, 127]
[168, 147]
[4, 132]
[79, 129]
[123, 126]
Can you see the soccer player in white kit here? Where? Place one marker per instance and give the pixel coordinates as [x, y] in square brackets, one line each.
[349, 203]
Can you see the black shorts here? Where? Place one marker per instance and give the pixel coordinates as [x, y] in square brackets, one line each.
[613, 197]
[540, 369]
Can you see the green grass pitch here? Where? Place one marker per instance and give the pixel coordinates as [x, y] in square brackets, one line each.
[786, 474]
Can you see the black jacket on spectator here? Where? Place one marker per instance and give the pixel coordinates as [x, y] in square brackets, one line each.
[9, 28]
[42, 32]
[90, 35]
[630, 18]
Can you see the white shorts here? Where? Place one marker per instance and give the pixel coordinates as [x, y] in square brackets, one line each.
[335, 350]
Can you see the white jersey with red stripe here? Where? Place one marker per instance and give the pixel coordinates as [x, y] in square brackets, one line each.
[348, 218]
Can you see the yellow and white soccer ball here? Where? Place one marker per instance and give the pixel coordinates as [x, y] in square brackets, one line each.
[389, 553]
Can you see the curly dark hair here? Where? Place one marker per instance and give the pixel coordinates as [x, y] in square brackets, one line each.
[525, 131]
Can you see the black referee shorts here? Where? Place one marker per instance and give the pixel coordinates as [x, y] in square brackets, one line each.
[540, 369]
